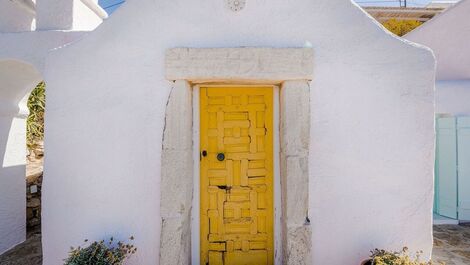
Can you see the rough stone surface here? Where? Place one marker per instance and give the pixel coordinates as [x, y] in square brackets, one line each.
[177, 182]
[295, 133]
[452, 244]
[239, 64]
[177, 177]
[34, 176]
[178, 134]
[175, 240]
[33, 203]
[26, 253]
[298, 251]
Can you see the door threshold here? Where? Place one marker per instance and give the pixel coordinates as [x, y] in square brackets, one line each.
[442, 220]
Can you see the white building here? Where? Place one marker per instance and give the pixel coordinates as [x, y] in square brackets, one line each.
[275, 132]
[448, 35]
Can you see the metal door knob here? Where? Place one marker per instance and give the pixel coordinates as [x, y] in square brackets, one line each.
[220, 157]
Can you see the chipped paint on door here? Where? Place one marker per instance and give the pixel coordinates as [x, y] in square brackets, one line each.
[237, 175]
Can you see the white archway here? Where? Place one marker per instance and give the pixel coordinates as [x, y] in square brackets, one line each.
[17, 79]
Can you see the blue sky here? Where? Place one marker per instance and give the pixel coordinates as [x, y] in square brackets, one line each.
[111, 5]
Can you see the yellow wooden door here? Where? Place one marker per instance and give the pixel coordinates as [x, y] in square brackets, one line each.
[237, 175]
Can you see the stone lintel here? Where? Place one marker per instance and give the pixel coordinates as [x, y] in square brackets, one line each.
[255, 64]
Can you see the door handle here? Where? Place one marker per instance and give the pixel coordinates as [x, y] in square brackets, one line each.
[221, 157]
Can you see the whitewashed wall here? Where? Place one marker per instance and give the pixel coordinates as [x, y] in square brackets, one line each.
[21, 64]
[84, 18]
[453, 97]
[66, 15]
[16, 81]
[448, 35]
[372, 139]
[16, 16]
[13, 18]
[22, 58]
[12, 187]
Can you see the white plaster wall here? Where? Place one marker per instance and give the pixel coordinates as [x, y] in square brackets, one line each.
[17, 79]
[84, 18]
[372, 137]
[65, 15]
[453, 97]
[448, 35]
[54, 14]
[33, 47]
[12, 182]
[13, 18]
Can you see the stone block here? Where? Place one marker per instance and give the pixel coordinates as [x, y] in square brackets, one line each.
[175, 241]
[277, 64]
[297, 251]
[178, 133]
[295, 197]
[33, 203]
[295, 118]
[177, 182]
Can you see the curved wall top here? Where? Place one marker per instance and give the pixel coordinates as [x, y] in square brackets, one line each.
[448, 35]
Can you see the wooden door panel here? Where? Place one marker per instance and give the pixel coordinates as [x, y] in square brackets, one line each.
[446, 169]
[237, 191]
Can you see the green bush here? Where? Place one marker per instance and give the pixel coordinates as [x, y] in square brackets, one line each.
[101, 253]
[35, 121]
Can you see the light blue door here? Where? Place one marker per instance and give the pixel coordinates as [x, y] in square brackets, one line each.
[446, 168]
[463, 145]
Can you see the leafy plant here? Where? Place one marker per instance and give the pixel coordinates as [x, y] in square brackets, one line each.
[401, 27]
[101, 253]
[383, 257]
[35, 121]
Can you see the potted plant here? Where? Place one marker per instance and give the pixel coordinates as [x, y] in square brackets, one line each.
[109, 253]
[383, 257]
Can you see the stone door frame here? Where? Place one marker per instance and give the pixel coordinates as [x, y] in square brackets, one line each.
[290, 69]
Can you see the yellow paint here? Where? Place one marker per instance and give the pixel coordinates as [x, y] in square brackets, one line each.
[237, 193]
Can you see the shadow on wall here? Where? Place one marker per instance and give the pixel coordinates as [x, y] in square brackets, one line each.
[12, 187]
[12, 208]
[17, 80]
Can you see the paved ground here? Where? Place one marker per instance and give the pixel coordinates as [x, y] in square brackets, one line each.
[27, 253]
[451, 245]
